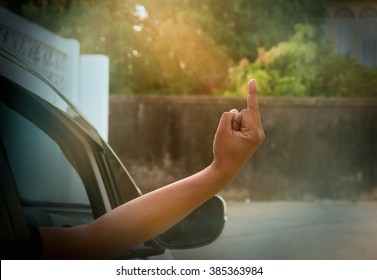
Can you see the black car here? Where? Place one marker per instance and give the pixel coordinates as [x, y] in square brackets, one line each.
[57, 171]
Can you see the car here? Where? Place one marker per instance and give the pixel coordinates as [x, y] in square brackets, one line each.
[57, 171]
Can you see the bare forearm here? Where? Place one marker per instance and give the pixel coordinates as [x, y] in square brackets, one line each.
[142, 218]
[153, 213]
[238, 136]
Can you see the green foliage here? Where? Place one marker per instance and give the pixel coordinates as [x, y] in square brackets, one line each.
[177, 46]
[302, 67]
[343, 76]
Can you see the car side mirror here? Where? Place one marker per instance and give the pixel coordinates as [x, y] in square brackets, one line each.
[199, 228]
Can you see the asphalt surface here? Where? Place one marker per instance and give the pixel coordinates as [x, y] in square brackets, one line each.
[322, 230]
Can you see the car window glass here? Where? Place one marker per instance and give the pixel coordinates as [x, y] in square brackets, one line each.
[42, 172]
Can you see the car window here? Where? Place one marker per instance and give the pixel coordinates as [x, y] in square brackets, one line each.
[42, 172]
[49, 159]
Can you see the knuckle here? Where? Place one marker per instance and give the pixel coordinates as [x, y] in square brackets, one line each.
[254, 108]
[262, 135]
[228, 115]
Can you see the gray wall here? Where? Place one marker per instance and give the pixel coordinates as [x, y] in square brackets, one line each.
[314, 148]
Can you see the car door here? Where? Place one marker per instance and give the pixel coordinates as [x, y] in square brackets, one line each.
[62, 172]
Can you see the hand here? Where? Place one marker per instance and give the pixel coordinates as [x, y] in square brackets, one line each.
[238, 135]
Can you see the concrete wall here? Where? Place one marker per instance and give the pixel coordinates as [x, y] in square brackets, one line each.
[314, 148]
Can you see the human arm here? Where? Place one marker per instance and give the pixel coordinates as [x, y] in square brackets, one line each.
[238, 136]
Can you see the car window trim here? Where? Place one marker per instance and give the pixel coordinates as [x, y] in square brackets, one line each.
[43, 115]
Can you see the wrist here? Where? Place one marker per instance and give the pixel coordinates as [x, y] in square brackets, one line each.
[225, 173]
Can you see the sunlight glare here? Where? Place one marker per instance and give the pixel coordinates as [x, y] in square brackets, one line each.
[141, 12]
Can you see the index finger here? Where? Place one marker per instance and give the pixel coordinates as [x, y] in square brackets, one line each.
[252, 98]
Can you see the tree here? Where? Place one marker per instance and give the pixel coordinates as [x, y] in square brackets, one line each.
[301, 66]
[173, 46]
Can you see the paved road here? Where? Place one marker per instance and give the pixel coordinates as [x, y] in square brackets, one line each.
[293, 231]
